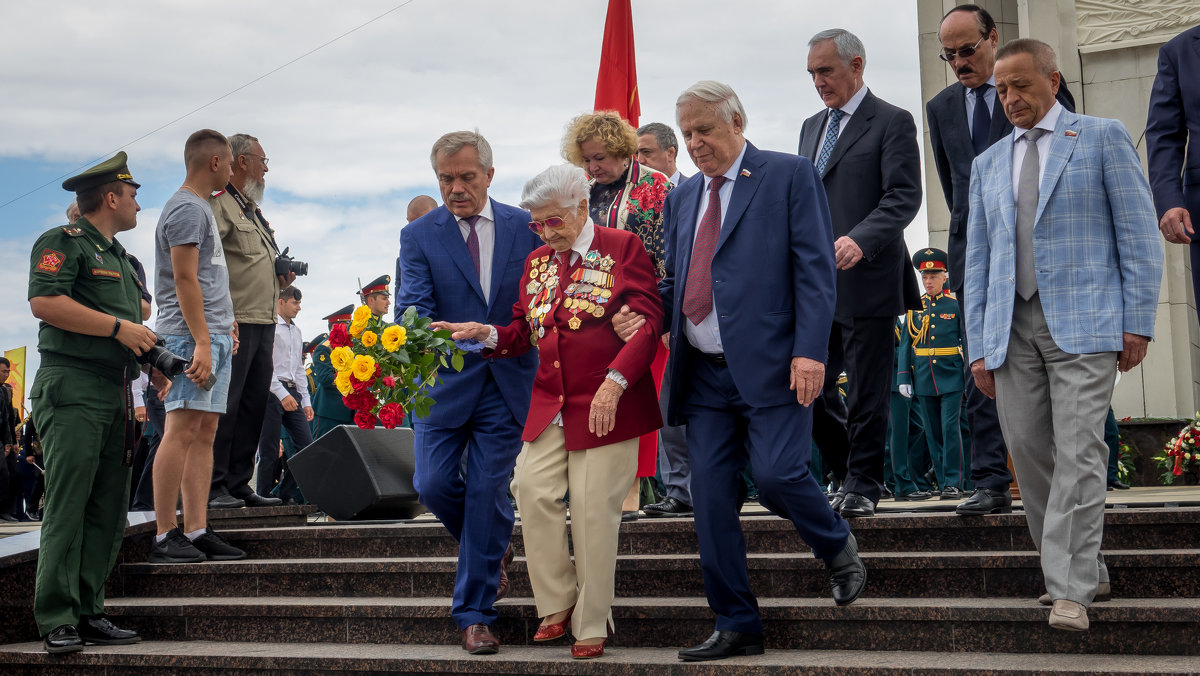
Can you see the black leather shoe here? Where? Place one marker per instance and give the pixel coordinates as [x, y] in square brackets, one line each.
[62, 639]
[847, 574]
[914, 496]
[668, 507]
[629, 516]
[856, 505]
[986, 501]
[1118, 484]
[724, 644]
[225, 501]
[256, 500]
[838, 498]
[886, 493]
[952, 493]
[98, 630]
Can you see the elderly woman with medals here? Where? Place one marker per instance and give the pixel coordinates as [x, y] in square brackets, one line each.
[626, 195]
[592, 398]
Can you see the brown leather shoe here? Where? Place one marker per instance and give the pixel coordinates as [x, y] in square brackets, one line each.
[478, 640]
[502, 586]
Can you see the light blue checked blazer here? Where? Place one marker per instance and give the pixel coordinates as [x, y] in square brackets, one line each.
[1097, 254]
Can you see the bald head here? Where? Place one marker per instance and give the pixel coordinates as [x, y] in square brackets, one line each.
[419, 206]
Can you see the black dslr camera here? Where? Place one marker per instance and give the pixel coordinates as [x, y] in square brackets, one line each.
[285, 264]
[169, 364]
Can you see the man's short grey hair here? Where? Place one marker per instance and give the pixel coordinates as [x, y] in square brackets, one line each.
[562, 185]
[663, 135]
[1042, 53]
[240, 144]
[711, 91]
[847, 43]
[455, 141]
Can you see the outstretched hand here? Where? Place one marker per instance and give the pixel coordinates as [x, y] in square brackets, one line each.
[464, 330]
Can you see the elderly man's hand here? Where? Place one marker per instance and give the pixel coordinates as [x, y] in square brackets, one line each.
[626, 323]
[1176, 226]
[464, 330]
[1134, 352]
[846, 252]
[808, 376]
[603, 416]
[984, 380]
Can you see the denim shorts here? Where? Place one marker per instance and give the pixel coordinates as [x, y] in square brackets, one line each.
[187, 395]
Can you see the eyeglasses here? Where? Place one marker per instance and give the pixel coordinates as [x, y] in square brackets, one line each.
[264, 158]
[553, 222]
[964, 53]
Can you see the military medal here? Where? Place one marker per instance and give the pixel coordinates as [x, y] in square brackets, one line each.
[574, 323]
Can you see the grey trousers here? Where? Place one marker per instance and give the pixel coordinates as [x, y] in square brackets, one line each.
[1052, 407]
[673, 463]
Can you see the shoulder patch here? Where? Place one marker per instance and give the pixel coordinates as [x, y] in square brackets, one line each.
[51, 261]
[72, 231]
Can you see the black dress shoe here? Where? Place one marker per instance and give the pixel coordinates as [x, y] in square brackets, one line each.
[668, 507]
[724, 644]
[856, 505]
[847, 574]
[838, 498]
[1118, 484]
[914, 496]
[986, 501]
[952, 493]
[98, 630]
[62, 639]
[629, 516]
[256, 500]
[225, 501]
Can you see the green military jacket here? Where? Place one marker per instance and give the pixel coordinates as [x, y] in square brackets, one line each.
[78, 262]
[327, 401]
[932, 347]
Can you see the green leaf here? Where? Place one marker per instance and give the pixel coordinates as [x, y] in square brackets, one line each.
[458, 362]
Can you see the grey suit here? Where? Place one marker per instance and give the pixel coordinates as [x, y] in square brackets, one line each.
[673, 466]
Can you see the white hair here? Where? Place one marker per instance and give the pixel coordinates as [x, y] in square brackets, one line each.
[848, 45]
[562, 185]
[711, 91]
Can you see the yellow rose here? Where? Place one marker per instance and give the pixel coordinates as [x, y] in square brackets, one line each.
[341, 358]
[369, 339]
[393, 337]
[363, 367]
[361, 314]
[357, 327]
[342, 383]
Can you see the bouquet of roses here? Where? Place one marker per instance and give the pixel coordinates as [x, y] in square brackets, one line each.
[384, 370]
[1181, 453]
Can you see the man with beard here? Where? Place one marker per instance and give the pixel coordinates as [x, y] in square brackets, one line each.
[250, 250]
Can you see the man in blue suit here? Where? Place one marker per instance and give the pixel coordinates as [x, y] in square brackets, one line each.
[463, 262]
[1064, 267]
[748, 299]
[1174, 117]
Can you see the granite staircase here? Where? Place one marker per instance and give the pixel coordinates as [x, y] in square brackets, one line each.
[945, 595]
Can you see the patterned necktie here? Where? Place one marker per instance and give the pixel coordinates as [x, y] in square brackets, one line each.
[698, 300]
[831, 137]
[981, 120]
[473, 241]
[1027, 201]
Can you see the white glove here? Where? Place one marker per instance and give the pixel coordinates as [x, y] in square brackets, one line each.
[906, 391]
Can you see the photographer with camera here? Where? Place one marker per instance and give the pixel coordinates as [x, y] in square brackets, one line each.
[257, 271]
[85, 292]
[195, 316]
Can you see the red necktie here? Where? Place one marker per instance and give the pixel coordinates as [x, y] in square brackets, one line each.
[697, 299]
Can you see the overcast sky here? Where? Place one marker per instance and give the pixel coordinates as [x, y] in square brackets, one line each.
[348, 128]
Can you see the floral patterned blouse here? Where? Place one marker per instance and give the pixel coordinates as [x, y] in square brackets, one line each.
[635, 203]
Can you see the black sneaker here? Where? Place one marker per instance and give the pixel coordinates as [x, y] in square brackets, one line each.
[175, 548]
[216, 548]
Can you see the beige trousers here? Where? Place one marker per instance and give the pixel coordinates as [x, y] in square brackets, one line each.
[597, 479]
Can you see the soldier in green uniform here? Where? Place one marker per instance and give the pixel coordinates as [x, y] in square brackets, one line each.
[84, 290]
[933, 351]
[377, 294]
[906, 438]
[327, 402]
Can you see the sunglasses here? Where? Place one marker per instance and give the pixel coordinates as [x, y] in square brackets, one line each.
[964, 53]
[553, 222]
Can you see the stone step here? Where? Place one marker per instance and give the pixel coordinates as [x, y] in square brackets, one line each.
[1135, 574]
[226, 657]
[1119, 627]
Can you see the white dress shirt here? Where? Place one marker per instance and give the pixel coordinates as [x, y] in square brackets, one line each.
[485, 230]
[989, 99]
[676, 177]
[288, 359]
[706, 336]
[848, 111]
[1020, 145]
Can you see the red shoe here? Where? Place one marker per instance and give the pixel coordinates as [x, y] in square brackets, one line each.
[587, 652]
[549, 632]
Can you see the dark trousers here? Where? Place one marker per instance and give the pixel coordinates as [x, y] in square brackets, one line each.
[865, 350]
[238, 431]
[10, 483]
[989, 455]
[724, 433]
[474, 508]
[143, 496]
[270, 465]
[906, 445]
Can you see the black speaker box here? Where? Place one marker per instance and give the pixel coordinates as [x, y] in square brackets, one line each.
[355, 474]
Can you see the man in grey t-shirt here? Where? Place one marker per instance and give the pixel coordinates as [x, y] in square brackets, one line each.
[195, 318]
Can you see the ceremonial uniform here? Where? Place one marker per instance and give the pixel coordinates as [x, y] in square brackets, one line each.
[906, 438]
[328, 409]
[82, 408]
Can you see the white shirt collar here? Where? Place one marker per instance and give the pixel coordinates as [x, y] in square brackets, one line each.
[485, 214]
[855, 101]
[280, 320]
[584, 241]
[675, 178]
[730, 174]
[1048, 122]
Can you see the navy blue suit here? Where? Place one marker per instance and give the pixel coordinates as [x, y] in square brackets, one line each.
[481, 410]
[773, 290]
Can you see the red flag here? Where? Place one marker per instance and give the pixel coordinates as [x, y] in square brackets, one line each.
[616, 84]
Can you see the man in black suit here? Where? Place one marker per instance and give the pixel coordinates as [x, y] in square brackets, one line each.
[866, 152]
[959, 131]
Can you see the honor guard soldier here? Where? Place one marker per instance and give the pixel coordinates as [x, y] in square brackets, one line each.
[85, 292]
[327, 402]
[906, 434]
[376, 295]
[933, 351]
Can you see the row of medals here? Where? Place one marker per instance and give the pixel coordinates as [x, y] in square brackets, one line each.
[589, 291]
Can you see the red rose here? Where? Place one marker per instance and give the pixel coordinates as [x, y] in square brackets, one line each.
[389, 381]
[339, 336]
[364, 420]
[391, 415]
[360, 385]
